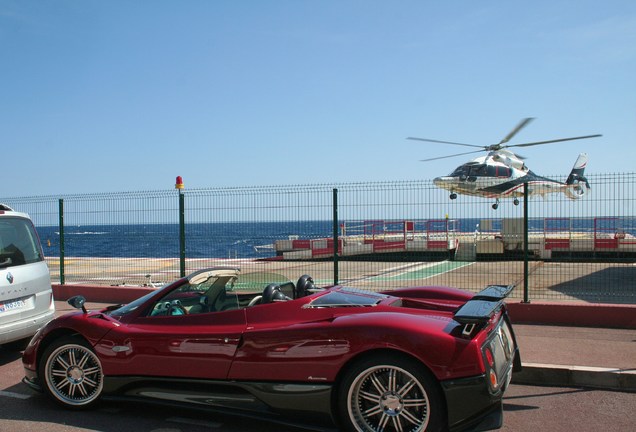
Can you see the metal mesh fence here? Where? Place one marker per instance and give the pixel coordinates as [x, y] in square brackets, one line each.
[387, 235]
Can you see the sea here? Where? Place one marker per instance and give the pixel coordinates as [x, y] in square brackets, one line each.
[255, 239]
[202, 240]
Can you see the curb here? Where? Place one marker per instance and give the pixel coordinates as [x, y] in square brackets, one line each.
[576, 376]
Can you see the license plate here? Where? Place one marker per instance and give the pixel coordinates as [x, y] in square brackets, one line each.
[12, 305]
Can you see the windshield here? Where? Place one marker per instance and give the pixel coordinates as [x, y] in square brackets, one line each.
[481, 170]
[18, 242]
[132, 306]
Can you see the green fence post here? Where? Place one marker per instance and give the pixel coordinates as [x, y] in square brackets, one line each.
[525, 243]
[182, 247]
[335, 236]
[61, 229]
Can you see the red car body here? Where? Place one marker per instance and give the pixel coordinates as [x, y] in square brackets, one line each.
[428, 358]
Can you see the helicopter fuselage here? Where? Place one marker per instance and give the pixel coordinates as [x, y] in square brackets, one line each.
[501, 175]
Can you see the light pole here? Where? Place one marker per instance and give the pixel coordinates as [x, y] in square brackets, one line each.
[182, 250]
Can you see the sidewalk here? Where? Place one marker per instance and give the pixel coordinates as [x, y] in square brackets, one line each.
[577, 356]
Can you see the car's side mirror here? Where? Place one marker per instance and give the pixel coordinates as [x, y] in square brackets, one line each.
[77, 302]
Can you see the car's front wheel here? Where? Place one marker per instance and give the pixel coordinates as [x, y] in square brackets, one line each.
[390, 393]
[71, 373]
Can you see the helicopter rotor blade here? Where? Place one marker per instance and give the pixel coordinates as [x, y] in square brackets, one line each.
[445, 142]
[554, 141]
[523, 123]
[501, 145]
[450, 156]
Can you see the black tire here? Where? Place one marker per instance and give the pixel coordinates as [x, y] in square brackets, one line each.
[71, 374]
[390, 392]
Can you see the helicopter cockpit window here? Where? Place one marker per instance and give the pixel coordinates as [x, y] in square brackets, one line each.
[479, 171]
[461, 170]
[503, 172]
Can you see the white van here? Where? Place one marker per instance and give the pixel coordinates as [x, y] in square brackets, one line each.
[26, 296]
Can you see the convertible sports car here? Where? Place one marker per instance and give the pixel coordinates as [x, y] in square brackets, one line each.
[413, 359]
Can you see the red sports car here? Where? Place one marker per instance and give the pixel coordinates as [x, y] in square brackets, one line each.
[414, 359]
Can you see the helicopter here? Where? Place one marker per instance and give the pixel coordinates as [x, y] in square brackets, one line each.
[503, 173]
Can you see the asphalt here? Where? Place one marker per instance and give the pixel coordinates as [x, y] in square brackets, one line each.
[571, 356]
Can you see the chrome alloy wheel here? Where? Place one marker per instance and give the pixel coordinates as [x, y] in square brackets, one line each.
[388, 398]
[73, 375]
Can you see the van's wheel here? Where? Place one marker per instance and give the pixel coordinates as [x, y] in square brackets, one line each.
[390, 393]
[71, 374]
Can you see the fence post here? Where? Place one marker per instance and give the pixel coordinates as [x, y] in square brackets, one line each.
[61, 229]
[182, 249]
[525, 243]
[335, 236]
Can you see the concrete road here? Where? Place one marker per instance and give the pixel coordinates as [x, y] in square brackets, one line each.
[555, 409]
[526, 409]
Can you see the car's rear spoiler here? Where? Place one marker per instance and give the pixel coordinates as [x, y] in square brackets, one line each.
[483, 305]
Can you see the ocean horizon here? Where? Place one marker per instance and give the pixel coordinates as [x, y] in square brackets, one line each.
[241, 239]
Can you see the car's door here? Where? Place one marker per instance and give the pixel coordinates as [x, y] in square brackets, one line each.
[176, 343]
[196, 346]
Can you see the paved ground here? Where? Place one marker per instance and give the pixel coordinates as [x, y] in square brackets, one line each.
[526, 408]
[578, 356]
[590, 282]
[580, 346]
[567, 409]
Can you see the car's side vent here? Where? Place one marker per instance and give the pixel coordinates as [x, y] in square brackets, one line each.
[468, 330]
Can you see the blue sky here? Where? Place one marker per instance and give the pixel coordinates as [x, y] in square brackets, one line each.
[107, 96]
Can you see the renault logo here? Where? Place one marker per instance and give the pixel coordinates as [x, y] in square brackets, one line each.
[10, 277]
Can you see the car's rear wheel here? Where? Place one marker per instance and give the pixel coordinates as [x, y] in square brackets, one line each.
[390, 393]
[71, 373]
